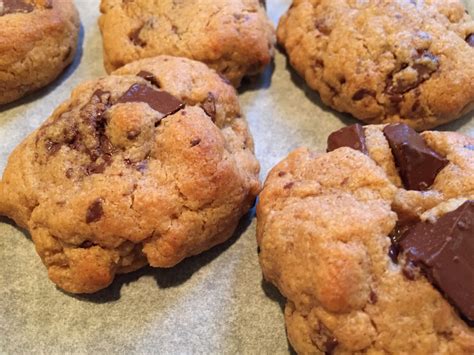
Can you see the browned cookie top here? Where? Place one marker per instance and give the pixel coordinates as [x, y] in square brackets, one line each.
[345, 236]
[234, 37]
[38, 39]
[150, 165]
[385, 61]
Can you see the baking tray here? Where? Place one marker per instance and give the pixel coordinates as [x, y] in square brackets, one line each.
[212, 303]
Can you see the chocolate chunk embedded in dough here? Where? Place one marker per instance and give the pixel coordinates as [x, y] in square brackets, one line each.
[160, 101]
[149, 77]
[95, 211]
[445, 252]
[352, 137]
[417, 163]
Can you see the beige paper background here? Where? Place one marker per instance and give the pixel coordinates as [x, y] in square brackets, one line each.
[212, 303]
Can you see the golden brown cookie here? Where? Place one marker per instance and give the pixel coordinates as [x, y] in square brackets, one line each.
[343, 235]
[150, 165]
[38, 39]
[234, 37]
[385, 61]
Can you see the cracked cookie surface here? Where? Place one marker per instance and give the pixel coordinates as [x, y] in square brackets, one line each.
[150, 165]
[325, 223]
[385, 61]
[38, 39]
[234, 37]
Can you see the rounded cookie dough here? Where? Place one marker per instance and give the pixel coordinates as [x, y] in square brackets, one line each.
[390, 61]
[329, 228]
[150, 165]
[234, 37]
[38, 39]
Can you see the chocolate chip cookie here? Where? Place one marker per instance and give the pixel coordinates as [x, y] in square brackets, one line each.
[150, 165]
[234, 37]
[372, 243]
[385, 61]
[38, 39]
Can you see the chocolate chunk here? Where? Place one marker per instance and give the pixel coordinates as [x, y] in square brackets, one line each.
[289, 185]
[160, 101]
[52, 147]
[361, 93]
[352, 136]
[209, 106]
[425, 64]
[404, 223]
[69, 173]
[444, 250]
[373, 297]
[134, 37]
[417, 163]
[470, 39]
[194, 142]
[330, 345]
[149, 77]
[16, 6]
[95, 211]
[96, 168]
[393, 252]
[86, 244]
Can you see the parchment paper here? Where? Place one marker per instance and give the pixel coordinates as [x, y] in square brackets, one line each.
[213, 303]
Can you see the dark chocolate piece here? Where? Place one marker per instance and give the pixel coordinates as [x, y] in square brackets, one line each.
[373, 298]
[425, 64]
[95, 211]
[52, 147]
[135, 37]
[16, 6]
[160, 101]
[470, 39]
[444, 250]
[417, 163]
[361, 93]
[209, 106]
[352, 136]
[86, 244]
[331, 345]
[194, 142]
[149, 77]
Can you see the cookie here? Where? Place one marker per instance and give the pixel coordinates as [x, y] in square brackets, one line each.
[38, 39]
[150, 165]
[385, 61]
[234, 37]
[372, 242]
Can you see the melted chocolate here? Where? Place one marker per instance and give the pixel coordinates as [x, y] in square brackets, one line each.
[160, 101]
[444, 250]
[417, 163]
[351, 136]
